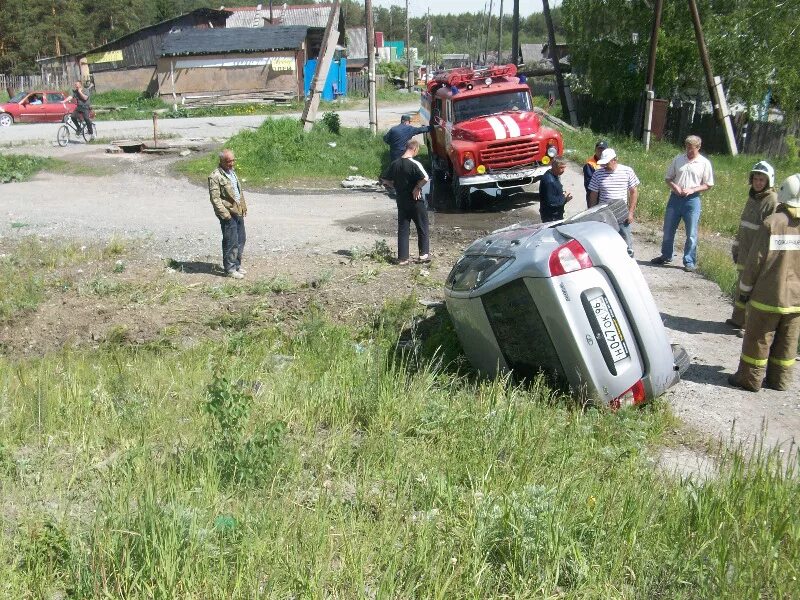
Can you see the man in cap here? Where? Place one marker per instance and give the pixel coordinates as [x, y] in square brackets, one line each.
[770, 287]
[591, 165]
[612, 182]
[397, 137]
[688, 175]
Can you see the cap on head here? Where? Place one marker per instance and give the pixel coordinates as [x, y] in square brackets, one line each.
[764, 167]
[602, 144]
[405, 119]
[789, 194]
[607, 156]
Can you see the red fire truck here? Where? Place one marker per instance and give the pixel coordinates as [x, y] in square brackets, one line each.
[484, 132]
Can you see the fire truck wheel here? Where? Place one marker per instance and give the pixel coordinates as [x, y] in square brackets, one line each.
[460, 193]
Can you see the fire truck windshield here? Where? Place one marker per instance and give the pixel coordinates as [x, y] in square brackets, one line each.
[481, 106]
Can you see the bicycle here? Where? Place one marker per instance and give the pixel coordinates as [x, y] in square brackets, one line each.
[70, 128]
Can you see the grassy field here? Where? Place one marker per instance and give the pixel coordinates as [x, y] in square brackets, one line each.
[280, 154]
[19, 167]
[326, 462]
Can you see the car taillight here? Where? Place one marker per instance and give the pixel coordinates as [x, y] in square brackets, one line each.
[569, 257]
[633, 396]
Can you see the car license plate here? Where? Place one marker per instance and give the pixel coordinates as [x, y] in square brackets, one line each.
[609, 328]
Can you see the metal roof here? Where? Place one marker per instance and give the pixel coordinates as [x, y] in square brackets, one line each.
[208, 13]
[356, 42]
[239, 39]
[311, 15]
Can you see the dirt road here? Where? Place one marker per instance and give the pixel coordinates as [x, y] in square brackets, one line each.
[288, 231]
[193, 127]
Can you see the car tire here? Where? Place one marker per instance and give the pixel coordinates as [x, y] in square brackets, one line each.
[6, 120]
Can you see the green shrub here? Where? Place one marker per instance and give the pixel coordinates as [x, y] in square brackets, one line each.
[20, 167]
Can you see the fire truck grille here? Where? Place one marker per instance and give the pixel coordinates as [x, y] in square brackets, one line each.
[510, 153]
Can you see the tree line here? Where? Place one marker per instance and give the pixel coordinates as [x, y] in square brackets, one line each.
[752, 45]
[40, 28]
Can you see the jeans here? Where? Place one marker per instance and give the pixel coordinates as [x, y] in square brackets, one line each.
[417, 212]
[625, 232]
[688, 210]
[233, 239]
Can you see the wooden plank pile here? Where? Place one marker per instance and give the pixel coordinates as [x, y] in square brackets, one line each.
[230, 98]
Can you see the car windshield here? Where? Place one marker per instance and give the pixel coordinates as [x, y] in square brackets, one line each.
[481, 106]
[18, 97]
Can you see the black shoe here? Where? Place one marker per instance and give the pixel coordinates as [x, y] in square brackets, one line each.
[660, 260]
[733, 324]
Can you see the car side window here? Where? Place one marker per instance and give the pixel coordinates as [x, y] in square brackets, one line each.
[55, 97]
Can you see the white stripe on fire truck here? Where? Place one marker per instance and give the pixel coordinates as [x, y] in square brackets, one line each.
[513, 128]
[497, 127]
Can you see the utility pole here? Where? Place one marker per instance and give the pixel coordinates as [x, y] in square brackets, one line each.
[371, 91]
[409, 74]
[324, 61]
[515, 34]
[500, 35]
[566, 100]
[714, 84]
[428, 47]
[488, 27]
[651, 70]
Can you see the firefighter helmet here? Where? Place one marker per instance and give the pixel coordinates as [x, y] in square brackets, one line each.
[764, 167]
[789, 193]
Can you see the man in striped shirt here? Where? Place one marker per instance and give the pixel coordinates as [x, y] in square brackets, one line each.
[611, 182]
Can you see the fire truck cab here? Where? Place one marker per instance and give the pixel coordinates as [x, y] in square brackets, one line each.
[484, 133]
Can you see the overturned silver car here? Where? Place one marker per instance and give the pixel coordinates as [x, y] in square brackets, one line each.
[566, 300]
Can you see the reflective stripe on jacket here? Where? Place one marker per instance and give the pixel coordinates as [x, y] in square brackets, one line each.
[771, 276]
[759, 206]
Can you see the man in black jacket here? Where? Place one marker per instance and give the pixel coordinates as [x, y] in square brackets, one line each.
[397, 137]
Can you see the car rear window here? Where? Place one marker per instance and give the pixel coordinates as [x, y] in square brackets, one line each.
[521, 333]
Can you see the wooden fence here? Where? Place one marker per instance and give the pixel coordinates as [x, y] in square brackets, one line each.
[18, 83]
[682, 119]
[358, 84]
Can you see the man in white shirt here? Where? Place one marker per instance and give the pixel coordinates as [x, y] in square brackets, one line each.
[611, 182]
[688, 175]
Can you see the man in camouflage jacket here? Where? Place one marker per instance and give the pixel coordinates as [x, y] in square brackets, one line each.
[229, 204]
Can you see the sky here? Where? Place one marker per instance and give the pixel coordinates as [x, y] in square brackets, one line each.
[419, 8]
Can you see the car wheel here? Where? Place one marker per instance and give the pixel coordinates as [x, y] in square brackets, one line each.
[6, 120]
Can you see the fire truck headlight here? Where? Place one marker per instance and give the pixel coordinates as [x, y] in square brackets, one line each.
[488, 81]
[469, 164]
[552, 151]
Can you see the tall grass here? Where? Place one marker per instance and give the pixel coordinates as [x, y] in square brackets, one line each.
[279, 152]
[392, 478]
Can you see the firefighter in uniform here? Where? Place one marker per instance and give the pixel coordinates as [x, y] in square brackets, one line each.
[770, 287]
[761, 203]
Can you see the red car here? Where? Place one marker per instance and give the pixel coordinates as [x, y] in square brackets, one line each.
[40, 106]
